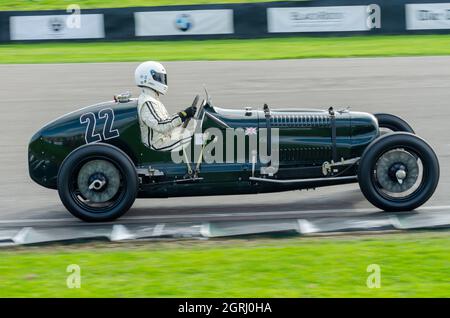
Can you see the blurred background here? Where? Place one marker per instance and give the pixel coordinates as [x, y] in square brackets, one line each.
[375, 56]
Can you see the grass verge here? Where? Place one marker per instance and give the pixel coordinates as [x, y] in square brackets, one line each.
[412, 265]
[256, 49]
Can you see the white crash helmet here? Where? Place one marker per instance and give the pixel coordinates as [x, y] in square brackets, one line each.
[152, 75]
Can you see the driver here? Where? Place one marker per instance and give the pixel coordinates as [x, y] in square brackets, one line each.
[159, 130]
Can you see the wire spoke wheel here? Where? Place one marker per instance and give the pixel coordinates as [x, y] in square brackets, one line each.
[97, 185]
[97, 182]
[398, 172]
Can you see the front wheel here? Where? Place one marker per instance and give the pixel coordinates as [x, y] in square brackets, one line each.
[398, 172]
[390, 123]
[97, 182]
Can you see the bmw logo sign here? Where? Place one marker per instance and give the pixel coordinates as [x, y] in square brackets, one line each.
[56, 24]
[183, 22]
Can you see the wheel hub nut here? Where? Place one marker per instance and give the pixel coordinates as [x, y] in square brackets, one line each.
[400, 175]
[97, 184]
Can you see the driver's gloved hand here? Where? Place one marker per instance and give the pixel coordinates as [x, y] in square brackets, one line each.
[187, 113]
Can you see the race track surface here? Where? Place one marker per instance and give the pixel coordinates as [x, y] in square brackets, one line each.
[417, 89]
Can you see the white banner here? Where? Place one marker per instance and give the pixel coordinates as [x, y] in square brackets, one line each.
[50, 27]
[427, 16]
[323, 19]
[189, 22]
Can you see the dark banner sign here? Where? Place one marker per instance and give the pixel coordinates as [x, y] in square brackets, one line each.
[251, 20]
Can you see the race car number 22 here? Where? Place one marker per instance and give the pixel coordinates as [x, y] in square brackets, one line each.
[107, 132]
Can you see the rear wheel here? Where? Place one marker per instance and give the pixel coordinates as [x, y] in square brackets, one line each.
[391, 123]
[97, 182]
[398, 172]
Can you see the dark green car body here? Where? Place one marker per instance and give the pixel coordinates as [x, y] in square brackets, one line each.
[306, 141]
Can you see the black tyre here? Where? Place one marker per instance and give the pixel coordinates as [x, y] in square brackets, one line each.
[398, 172]
[97, 182]
[390, 123]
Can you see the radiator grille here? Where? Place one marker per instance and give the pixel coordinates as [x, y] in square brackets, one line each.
[304, 153]
[300, 121]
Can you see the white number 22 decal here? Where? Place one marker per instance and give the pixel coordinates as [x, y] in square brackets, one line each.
[91, 124]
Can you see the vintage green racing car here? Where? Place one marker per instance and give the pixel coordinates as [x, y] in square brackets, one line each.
[96, 160]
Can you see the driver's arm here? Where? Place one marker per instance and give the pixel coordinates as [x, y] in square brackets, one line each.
[149, 117]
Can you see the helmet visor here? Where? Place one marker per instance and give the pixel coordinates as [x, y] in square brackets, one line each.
[159, 77]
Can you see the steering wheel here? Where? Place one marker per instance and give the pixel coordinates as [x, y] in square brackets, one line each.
[194, 104]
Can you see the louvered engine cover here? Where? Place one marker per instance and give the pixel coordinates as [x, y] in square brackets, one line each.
[305, 136]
